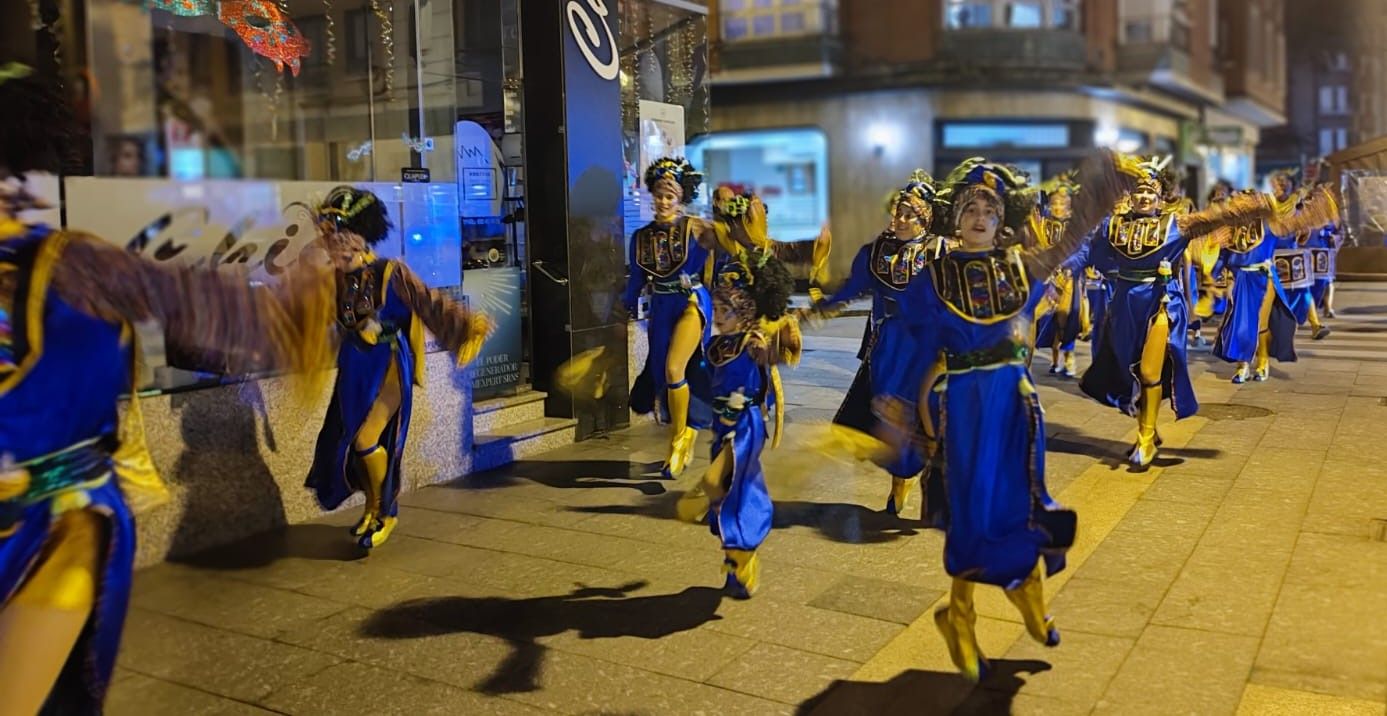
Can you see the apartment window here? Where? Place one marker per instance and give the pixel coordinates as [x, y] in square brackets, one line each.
[1146, 21]
[1012, 14]
[1326, 142]
[761, 19]
[1340, 61]
[1341, 99]
[1341, 138]
[314, 29]
[1326, 100]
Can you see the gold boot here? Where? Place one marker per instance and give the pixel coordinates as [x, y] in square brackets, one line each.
[743, 569]
[1263, 369]
[1145, 450]
[693, 505]
[377, 465]
[682, 437]
[956, 622]
[900, 494]
[1029, 599]
[368, 514]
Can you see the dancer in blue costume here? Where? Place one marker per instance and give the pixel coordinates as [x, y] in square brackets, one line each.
[1295, 264]
[383, 311]
[1324, 245]
[889, 377]
[1059, 318]
[1259, 323]
[73, 472]
[1141, 358]
[670, 258]
[1202, 291]
[973, 309]
[755, 334]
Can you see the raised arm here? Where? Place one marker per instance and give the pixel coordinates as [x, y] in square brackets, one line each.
[1237, 209]
[1316, 211]
[1103, 184]
[460, 330]
[203, 309]
[856, 283]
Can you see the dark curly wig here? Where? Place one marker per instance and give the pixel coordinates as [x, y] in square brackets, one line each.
[678, 170]
[36, 124]
[757, 289]
[1012, 194]
[347, 208]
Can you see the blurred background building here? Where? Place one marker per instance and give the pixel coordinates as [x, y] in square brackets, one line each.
[824, 105]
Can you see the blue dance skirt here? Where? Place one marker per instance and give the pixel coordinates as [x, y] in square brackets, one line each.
[1112, 379]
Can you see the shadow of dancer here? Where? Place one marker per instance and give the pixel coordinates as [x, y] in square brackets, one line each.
[230, 491]
[569, 474]
[592, 612]
[836, 521]
[927, 693]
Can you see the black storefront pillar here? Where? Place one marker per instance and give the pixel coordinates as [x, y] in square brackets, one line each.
[574, 165]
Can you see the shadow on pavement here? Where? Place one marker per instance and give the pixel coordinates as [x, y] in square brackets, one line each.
[305, 541]
[592, 612]
[837, 521]
[570, 474]
[927, 693]
[1113, 453]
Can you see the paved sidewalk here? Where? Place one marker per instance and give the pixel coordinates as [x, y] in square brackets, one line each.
[1239, 576]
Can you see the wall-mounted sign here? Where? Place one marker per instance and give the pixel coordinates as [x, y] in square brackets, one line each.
[414, 175]
[591, 42]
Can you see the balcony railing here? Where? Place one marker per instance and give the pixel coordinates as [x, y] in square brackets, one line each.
[1063, 50]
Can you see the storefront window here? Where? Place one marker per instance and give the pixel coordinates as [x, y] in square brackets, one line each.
[788, 168]
[664, 92]
[213, 125]
[977, 135]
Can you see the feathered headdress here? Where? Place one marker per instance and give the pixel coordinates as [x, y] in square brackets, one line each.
[920, 192]
[678, 173]
[1007, 186]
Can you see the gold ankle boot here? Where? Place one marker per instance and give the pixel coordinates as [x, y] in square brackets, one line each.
[1145, 450]
[743, 570]
[376, 465]
[901, 488]
[955, 622]
[368, 487]
[1029, 599]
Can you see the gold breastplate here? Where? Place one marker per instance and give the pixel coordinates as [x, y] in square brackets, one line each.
[662, 248]
[1246, 237]
[983, 289]
[896, 262]
[1051, 230]
[1135, 237]
[724, 348]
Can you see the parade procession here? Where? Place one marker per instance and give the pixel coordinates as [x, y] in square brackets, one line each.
[686, 356]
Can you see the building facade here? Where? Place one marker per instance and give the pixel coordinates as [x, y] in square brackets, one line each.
[207, 128]
[1337, 87]
[870, 91]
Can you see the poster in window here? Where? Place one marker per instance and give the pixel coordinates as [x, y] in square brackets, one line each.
[661, 135]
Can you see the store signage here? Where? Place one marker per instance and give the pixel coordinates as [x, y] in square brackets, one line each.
[414, 175]
[589, 41]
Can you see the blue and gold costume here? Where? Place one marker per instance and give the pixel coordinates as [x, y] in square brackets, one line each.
[67, 304]
[742, 386]
[1135, 254]
[383, 309]
[892, 368]
[670, 260]
[1259, 323]
[974, 310]
[1059, 319]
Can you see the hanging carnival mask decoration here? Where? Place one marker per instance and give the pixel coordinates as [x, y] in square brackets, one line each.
[267, 31]
[183, 8]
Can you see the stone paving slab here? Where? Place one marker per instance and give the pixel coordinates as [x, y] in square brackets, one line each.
[1236, 576]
